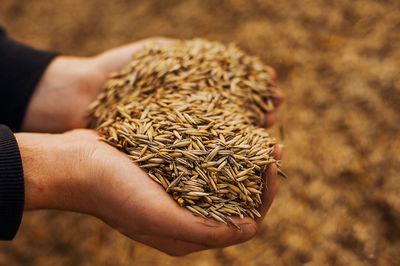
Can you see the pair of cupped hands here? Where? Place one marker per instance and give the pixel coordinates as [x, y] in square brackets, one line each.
[75, 171]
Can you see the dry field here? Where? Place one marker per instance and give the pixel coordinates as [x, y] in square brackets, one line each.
[338, 63]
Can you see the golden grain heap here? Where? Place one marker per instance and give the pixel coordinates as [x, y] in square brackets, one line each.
[191, 114]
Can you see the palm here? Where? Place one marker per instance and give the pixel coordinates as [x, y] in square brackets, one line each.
[128, 200]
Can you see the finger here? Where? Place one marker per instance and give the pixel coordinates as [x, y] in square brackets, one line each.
[269, 191]
[270, 117]
[270, 179]
[277, 98]
[172, 247]
[212, 234]
[269, 120]
[215, 234]
[181, 224]
[115, 59]
[272, 73]
[277, 153]
[125, 52]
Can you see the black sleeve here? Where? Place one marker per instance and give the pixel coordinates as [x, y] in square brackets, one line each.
[20, 70]
[11, 185]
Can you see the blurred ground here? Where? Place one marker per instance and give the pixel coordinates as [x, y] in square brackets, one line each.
[338, 63]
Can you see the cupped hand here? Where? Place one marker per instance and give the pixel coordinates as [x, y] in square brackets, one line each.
[69, 84]
[77, 172]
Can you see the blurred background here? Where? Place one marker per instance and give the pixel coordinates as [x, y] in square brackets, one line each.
[338, 63]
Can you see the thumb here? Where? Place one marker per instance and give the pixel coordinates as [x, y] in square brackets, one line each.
[115, 59]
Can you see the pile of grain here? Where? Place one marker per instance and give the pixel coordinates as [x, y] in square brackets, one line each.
[191, 114]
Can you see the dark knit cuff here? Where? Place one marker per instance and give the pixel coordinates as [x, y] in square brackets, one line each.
[12, 192]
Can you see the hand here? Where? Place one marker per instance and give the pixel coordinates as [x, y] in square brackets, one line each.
[77, 172]
[69, 84]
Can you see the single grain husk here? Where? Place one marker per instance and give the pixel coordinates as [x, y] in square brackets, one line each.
[191, 115]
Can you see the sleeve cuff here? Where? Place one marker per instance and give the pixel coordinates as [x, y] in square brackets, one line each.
[12, 192]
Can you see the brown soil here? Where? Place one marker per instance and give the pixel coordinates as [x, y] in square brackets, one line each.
[338, 63]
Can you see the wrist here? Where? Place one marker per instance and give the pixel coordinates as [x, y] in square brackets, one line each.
[51, 176]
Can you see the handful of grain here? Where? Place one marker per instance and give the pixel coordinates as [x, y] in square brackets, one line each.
[191, 114]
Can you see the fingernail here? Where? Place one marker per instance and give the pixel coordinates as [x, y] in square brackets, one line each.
[248, 230]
